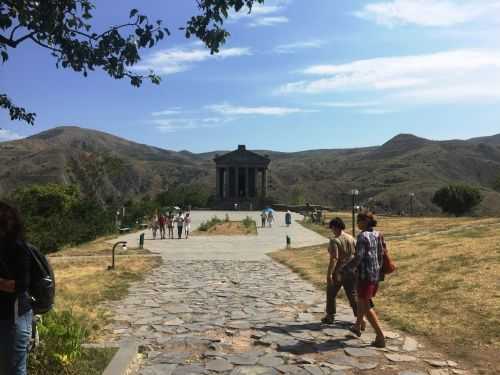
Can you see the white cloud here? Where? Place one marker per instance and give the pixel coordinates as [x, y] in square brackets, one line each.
[257, 10]
[433, 13]
[294, 47]
[376, 111]
[8, 135]
[167, 112]
[268, 21]
[229, 110]
[348, 104]
[460, 75]
[171, 125]
[267, 14]
[175, 60]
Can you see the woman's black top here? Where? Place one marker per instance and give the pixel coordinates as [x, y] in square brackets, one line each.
[15, 264]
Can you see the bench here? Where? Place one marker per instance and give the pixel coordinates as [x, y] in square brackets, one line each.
[124, 230]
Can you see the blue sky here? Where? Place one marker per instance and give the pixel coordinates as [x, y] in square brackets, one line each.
[294, 75]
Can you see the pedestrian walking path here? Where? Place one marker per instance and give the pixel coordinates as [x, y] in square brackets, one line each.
[234, 311]
[230, 247]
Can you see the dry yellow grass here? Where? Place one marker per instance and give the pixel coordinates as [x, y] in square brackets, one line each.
[446, 287]
[230, 228]
[98, 247]
[83, 284]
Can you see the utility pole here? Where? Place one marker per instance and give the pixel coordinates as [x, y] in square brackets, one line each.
[412, 197]
[354, 194]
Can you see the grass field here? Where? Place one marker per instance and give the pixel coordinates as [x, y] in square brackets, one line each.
[446, 288]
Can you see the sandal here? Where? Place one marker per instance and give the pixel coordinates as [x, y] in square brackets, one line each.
[363, 327]
[354, 329]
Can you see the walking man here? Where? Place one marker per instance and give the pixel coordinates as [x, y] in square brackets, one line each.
[342, 249]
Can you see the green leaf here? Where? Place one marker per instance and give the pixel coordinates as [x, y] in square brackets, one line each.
[133, 12]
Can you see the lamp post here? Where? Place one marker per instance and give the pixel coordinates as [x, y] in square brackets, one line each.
[412, 197]
[354, 194]
[124, 247]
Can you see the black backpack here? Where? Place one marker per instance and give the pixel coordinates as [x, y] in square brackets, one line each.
[42, 287]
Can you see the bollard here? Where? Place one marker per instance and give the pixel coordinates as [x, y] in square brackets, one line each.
[288, 242]
[141, 241]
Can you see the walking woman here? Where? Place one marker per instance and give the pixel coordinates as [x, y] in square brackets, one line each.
[187, 225]
[368, 262]
[170, 225]
[180, 223]
[16, 314]
[263, 218]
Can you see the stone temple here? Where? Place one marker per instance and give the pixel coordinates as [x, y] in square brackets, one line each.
[241, 177]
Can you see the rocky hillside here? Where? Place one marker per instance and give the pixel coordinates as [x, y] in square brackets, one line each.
[115, 168]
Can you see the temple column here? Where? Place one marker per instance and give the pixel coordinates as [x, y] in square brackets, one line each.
[237, 181]
[247, 182]
[226, 182]
[218, 190]
[264, 183]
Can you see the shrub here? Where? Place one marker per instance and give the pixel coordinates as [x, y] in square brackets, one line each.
[457, 199]
[250, 225]
[496, 183]
[61, 338]
[206, 225]
[57, 215]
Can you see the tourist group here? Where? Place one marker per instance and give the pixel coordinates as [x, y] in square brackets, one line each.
[267, 217]
[161, 223]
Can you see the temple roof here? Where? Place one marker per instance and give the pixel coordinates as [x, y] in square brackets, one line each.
[242, 156]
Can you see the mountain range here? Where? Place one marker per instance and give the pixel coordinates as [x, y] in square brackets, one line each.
[115, 168]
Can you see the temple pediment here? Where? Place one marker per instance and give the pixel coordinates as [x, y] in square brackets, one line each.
[242, 156]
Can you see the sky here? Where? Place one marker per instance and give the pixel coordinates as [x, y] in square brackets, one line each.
[294, 75]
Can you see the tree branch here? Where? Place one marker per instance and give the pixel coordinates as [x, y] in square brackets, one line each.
[8, 42]
[45, 45]
[13, 43]
[13, 31]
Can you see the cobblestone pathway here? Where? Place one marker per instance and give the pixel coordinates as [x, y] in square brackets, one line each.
[254, 317]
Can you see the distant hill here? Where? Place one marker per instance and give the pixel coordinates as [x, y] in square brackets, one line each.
[115, 168]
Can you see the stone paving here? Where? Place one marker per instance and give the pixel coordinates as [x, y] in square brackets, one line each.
[253, 317]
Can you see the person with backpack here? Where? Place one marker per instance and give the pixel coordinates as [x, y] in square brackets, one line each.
[342, 248]
[16, 312]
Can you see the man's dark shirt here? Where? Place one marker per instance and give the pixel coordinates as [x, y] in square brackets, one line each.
[14, 265]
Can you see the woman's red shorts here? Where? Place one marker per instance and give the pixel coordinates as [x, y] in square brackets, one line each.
[367, 290]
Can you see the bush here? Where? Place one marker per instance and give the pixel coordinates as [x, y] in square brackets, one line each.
[457, 199]
[249, 223]
[206, 225]
[57, 215]
[496, 183]
[61, 339]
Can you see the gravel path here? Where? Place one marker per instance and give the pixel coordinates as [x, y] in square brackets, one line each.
[220, 306]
